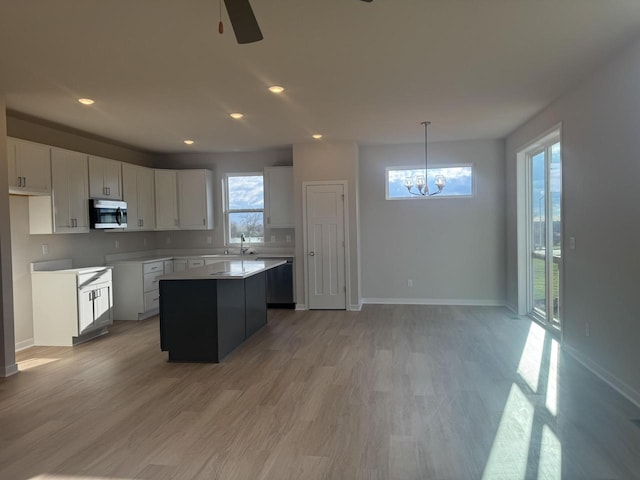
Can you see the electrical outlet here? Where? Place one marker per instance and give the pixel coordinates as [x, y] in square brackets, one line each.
[572, 243]
[144, 241]
[273, 238]
[168, 240]
[117, 243]
[409, 283]
[288, 238]
[209, 240]
[45, 249]
[587, 329]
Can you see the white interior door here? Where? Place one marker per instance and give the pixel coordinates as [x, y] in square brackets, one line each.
[325, 246]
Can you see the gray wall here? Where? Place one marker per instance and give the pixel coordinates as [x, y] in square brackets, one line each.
[452, 248]
[601, 209]
[7, 350]
[330, 161]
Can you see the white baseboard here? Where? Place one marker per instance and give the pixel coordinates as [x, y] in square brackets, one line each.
[301, 306]
[513, 308]
[436, 301]
[24, 344]
[607, 377]
[355, 308]
[8, 371]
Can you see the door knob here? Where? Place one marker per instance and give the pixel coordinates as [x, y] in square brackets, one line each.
[312, 254]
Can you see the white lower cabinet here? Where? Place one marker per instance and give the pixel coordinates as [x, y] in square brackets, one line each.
[70, 307]
[136, 288]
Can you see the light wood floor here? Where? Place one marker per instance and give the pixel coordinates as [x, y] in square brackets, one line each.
[392, 392]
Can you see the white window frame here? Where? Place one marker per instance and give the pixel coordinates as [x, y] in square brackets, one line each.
[227, 210]
[443, 194]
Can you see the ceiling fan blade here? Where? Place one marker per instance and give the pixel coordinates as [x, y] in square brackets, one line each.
[243, 21]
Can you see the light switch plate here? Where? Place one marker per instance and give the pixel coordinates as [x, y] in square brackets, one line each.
[45, 249]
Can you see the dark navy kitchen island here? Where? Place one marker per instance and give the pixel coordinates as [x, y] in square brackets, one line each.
[207, 312]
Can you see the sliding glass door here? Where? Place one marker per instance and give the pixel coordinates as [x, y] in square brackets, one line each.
[544, 207]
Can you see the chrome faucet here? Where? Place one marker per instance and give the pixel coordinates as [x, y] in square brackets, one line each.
[243, 249]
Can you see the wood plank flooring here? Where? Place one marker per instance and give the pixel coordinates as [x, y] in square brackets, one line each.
[391, 392]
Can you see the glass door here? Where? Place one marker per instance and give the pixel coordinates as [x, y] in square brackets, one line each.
[545, 191]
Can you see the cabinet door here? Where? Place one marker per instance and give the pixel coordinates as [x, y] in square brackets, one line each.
[168, 267]
[166, 200]
[279, 197]
[192, 199]
[130, 195]
[85, 310]
[69, 185]
[105, 178]
[102, 304]
[78, 192]
[29, 167]
[179, 265]
[146, 199]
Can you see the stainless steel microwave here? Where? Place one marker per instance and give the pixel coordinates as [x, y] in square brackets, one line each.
[107, 213]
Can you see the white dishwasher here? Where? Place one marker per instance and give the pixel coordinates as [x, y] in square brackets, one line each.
[70, 305]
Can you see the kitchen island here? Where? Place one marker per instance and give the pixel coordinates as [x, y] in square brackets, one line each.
[208, 311]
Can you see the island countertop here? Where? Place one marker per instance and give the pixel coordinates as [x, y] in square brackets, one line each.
[225, 270]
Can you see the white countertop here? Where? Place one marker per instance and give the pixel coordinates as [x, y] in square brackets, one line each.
[221, 256]
[225, 270]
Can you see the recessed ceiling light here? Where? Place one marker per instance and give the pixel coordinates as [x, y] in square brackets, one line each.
[237, 116]
[276, 89]
[188, 142]
[86, 101]
[317, 136]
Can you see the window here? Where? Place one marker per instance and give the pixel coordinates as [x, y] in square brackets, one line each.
[459, 181]
[245, 207]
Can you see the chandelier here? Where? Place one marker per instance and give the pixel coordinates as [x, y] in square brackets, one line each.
[419, 181]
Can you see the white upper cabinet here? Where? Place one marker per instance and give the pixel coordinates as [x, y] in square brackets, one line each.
[69, 211]
[29, 167]
[166, 200]
[138, 192]
[195, 199]
[278, 197]
[105, 178]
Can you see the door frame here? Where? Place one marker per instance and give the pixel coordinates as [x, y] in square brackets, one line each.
[523, 217]
[305, 245]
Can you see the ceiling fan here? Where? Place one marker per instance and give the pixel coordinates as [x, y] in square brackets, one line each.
[244, 22]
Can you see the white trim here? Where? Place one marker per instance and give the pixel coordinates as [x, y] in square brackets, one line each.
[355, 308]
[436, 301]
[607, 377]
[8, 371]
[345, 221]
[301, 306]
[24, 344]
[226, 210]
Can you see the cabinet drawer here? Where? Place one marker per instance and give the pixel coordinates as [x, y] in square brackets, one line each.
[196, 262]
[151, 300]
[94, 278]
[153, 267]
[151, 281]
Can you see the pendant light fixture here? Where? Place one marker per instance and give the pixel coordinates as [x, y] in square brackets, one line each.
[419, 181]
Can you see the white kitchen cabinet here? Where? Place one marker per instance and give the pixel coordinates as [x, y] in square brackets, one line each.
[166, 194]
[195, 199]
[29, 167]
[168, 267]
[105, 178]
[66, 210]
[278, 197]
[136, 294]
[71, 305]
[138, 192]
[179, 264]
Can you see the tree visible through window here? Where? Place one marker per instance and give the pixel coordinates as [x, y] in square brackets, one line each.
[245, 207]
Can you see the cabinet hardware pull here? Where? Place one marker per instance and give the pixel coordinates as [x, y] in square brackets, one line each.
[312, 254]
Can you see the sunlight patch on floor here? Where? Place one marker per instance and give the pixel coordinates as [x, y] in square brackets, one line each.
[35, 362]
[551, 400]
[550, 466]
[510, 450]
[530, 361]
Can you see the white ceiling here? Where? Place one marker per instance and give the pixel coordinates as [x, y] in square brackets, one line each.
[369, 72]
